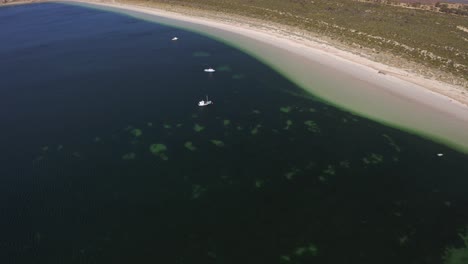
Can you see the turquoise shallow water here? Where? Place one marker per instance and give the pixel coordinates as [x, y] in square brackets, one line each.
[106, 157]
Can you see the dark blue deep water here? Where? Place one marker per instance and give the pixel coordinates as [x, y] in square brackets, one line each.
[106, 157]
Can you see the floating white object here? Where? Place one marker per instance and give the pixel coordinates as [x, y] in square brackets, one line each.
[209, 70]
[175, 38]
[440, 154]
[205, 103]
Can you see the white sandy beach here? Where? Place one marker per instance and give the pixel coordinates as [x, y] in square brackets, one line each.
[380, 92]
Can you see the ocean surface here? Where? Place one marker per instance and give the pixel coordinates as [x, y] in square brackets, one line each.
[106, 157]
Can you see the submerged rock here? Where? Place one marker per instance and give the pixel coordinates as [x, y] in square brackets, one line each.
[217, 143]
[285, 259]
[391, 142]
[300, 251]
[373, 159]
[198, 128]
[157, 148]
[403, 240]
[288, 124]
[458, 255]
[224, 68]
[345, 164]
[238, 76]
[254, 130]
[197, 191]
[330, 170]
[163, 156]
[311, 126]
[286, 109]
[310, 249]
[259, 183]
[136, 132]
[201, 54]
[290, 174]
[189, 145]
[129, 156]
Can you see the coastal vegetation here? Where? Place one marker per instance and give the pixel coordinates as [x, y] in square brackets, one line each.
[458, 255]
[430, 5]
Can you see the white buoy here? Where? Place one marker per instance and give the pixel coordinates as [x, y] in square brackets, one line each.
[175, 38]
[440, 154]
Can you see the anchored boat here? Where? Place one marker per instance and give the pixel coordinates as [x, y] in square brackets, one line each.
[205, 103]
[210, 70]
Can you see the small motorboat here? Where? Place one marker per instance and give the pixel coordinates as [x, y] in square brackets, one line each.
[205, 103]
[175, 38]
[210, 70]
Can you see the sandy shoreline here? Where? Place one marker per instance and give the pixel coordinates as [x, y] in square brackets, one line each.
[383, 93]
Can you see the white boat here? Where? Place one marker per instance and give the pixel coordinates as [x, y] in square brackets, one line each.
[210, 70]
[175, 38]
[205, 103]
